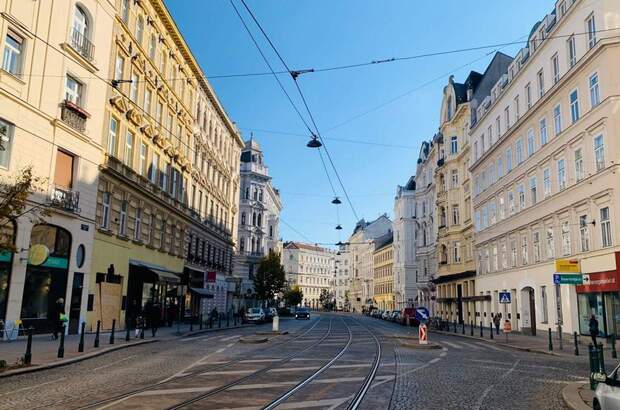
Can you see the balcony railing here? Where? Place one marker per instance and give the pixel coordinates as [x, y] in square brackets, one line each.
[65, 199]
[82, 44]
[74, 116]
[440, 162]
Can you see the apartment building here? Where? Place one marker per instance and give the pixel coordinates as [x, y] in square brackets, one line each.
[311, 268]
[544, 167]
[383, 261]
[341, 281]
[404, 244]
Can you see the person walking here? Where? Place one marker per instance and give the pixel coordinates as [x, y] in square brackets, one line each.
[496, 322]
[139, 325]
[56, 323]
[154, 315]
[594, 330]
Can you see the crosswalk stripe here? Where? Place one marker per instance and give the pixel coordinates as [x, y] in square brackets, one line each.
[454, 345]
[472, 346]
[489, 346]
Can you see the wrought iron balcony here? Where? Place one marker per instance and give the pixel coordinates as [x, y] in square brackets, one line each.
[441, 162]
[82, 44]
[65, 199]
[74, 116]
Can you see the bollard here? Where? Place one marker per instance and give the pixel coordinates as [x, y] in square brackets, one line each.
[601, 357]
[219, 324]
[613, 346]
[463, 330]
[491, 331]
[112, 334]
[471, 328]
[142, 332]
[228, 319]
[210, 321]
[97, 333]
[81, 345]
[28, 355]
[455, 326]
[481, 329]
[597, 363]
[61, 347]
[127, 332]
[201, 321]
[550, 341]
[275, 326]
[576, 344]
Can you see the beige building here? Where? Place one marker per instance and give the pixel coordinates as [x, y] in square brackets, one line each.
[168, 188]
[544, 167]
[383, 261]
[311, 268]
[52, 87]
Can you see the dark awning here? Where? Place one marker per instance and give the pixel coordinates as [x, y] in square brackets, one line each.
[161, 272]
[202, 292]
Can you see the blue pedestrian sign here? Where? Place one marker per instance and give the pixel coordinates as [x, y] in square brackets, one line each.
[422, 314]
[504, 297]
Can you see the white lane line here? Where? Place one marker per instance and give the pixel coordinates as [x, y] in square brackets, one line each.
[326, 403]
[225, 372]
[453, 345]
[261, 386]
[260, 360]
[161, 392]
[489, 362]
[293, 369]
[443, 354]
[183, 371]
[435, 360]
[113, 363]
[354, 366]
[490, 346]
[226, 339]
[491, 386]
[230, 345]
[559, 381]
[33, 387]
[196, 338]
[472, 346]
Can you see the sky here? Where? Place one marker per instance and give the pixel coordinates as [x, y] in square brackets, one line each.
[387, 109]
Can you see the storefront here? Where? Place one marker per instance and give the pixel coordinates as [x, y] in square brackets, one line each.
[601, 298]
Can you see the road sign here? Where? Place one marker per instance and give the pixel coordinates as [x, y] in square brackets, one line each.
[567, 266]
[422, 314]
[504, 297]
[423, 335]
[570, 279]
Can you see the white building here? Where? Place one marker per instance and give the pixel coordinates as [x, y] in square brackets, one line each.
[341, 281]
[259, 219]
[310, 267]
[404, 264]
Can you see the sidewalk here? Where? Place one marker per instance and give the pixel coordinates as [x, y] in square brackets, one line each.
[578, 396]
[45, 349]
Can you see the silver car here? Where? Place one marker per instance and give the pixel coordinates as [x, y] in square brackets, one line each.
[607, 394]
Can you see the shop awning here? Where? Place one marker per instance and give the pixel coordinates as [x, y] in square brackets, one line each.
[162, 273]
[203, 293]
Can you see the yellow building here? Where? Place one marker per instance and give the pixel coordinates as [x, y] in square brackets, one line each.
[383, 260]
[168, 187]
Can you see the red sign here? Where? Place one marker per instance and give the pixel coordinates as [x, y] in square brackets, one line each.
[423, 334]
[211, 277]
[608, 281]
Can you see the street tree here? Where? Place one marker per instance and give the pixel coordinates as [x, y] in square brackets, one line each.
[326, 299]
[269, 278]
[294, 295]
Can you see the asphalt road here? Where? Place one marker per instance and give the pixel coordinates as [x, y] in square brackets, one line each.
[333, 361]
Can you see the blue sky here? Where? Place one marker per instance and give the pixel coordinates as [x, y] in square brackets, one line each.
[325, 33]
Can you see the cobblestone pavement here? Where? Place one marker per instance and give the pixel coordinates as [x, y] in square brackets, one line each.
[461, 374]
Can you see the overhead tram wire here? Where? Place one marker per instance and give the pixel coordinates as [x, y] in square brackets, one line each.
[294, 75]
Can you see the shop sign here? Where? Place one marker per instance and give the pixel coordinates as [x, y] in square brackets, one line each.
[601, 282]
[54, 262]
[570, 279]
[211, 276]
[5, 256]
[38, 254]
[567, 266]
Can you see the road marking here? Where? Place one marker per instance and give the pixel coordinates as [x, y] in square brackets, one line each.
[326, 403]
[195, 338]
[226, 339]
[488, 389]
[443, 354]
[225, 372]
[260, 360]
[293, 369]
[559, 381]
[113, 363]
[261, 386]
[33, 387]
[174, 391]
[230, 345]
[489, 362]
[196, 363]
[490, 346]
[452, 345]
[435, 360]
[472, 346]
[353, 366]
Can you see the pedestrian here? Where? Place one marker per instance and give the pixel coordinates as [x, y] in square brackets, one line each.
[56, 323]
[496, 322]
[140, 322]
[594, 329]
[154, 316]
[172, 314]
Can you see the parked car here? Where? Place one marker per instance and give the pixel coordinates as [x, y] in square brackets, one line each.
[255, 315]
[385, 315]
[302, 313]
[270, 313]
[395, 316]
[607, 394]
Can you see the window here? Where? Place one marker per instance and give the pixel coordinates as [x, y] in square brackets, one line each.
[6, 141]
[125, 11]
[122, 224]
[533, 190]
[528, 95]
[153, 171]
[504, 257]
[105, 210]
[547, 182]
[584, 235]
[543, 131]
[521, 194]
[605, 227]
[12, 59]
[498, 127]
[147, 100]
[454, 146]
[490, 135]
[73, 91]
[500, 168]
[579, 172]
[513, 253]
[574, 105]
[508, 160]
[159, 110]
[137, 227]
[519, 151]
[457, 252]
[561, 174]
[502, 211]
[524, 251]
[595, 96]
[591, 31]
[550, 244]
[599, 153]
[133, 91]
[572, 52]
[517, 110]
[476, 150]
[557, 119]
[119, 66]
[455, 215]
[143, 158]
[541, 83]
[536, 246]
[128, 154]
[511, 203]
[63, 175]
[153, 47]
[555, 66]
[455, 178]
[507, 117]
[113, 137]
[566, 247]
[531, 147]
[544, 303]
[140, 30]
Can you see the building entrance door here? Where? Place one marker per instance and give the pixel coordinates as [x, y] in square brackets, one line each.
[76, 302]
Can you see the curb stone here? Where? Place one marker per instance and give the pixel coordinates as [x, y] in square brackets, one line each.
[572, 398]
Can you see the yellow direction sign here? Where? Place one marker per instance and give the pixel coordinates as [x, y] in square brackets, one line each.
[567, 266]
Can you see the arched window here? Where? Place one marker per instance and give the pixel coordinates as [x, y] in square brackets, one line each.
[80, 33]
[140, 29]
[152, 46]
[243, 218]
[260, 195]
[247, 193]
[242, 244]
[260, 220]
[255, 194]
[80, 22]
[254, 218]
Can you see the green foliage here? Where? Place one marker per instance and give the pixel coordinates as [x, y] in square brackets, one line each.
[269, 278]
[326, 299]
[294, 296]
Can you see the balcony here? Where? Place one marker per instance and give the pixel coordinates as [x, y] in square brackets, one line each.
[441, 162]
[65, 199]
[73, 115]
[81, 44]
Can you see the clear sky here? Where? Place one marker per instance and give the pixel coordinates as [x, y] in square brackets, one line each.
[325, 33]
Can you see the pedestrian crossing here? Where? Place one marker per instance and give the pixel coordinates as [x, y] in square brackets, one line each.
[471, 346]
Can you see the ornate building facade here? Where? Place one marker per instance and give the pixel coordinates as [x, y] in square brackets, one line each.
[311, 268]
